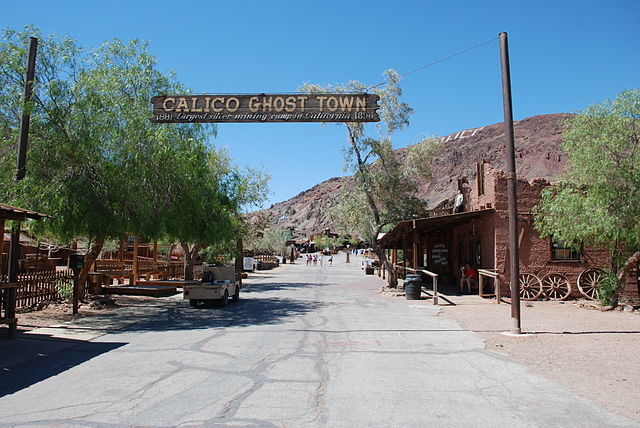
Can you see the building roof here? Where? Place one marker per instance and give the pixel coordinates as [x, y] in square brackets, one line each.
[9, 212]
[430, 223]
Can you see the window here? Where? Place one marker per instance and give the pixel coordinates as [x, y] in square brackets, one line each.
[561, 251]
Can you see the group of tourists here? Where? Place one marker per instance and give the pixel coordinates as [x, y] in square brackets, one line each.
[318, 258]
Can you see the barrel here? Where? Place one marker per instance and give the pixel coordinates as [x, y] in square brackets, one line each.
[413, 287]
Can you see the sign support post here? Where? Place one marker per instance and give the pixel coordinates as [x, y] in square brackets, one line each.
[14, 249]
[511, 186]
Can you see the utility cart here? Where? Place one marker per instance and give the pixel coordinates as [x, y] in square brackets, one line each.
[218, 285]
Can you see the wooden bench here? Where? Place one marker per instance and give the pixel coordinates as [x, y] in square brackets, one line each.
[114, 269]
[152, 270]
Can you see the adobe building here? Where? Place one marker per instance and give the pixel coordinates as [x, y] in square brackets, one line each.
[443, 242]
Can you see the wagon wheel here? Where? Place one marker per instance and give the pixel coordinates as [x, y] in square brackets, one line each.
[556, 286]
[588, 282]
[530, 286]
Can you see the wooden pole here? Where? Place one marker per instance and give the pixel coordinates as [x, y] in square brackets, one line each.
[2, 245]
[511, 186]
[415, 246]
[21, 169]
[135, 260]
[155, 250]
[121, 250]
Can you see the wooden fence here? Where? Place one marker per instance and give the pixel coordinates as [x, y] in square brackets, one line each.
[40, 286]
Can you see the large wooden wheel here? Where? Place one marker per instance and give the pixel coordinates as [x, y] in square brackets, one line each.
[556, 286]
[588, 282]
[530, 286]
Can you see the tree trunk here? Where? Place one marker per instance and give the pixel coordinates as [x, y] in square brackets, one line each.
[89, 259]
[189, 258]
[392, 278]
[631, 261]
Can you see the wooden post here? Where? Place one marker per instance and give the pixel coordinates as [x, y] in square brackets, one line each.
[121, 250]
[415, 246]
[135, 260]
[1, 245]
[512, 199]
[21, 169]
[155, 250]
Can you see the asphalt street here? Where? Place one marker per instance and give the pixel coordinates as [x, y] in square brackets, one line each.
[306, 346]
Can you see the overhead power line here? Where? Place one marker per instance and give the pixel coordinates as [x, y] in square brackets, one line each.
[439, 61]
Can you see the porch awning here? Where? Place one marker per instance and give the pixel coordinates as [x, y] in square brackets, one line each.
[8, 212]
[428, 224]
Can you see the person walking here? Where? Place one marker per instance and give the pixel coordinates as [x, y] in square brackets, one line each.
[331, 260]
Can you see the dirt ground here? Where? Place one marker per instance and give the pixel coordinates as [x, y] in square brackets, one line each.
[60, 312]
[595, 354]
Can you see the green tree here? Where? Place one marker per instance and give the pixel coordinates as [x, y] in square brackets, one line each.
[385, 187]
[96, 162]
[597, 200]
[272, 240]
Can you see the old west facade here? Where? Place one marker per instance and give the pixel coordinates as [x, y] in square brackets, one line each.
[445, 241]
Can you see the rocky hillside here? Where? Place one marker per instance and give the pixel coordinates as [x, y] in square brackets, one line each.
[538, 154]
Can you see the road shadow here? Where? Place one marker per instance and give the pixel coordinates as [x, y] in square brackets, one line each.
[32, 358]
[278, 286]
[246, 312]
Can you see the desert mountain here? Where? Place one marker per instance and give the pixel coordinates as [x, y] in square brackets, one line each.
[538, 155]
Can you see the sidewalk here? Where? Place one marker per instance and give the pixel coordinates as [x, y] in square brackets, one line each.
[595, 354]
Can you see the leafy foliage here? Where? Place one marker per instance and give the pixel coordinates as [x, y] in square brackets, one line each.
[96, 162]
[385, 186]
[597, 201]
[271, 241]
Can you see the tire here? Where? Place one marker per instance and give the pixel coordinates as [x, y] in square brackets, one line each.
[193, 303]
[236, 296]
[225, 298]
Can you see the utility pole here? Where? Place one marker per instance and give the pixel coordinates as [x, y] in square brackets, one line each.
[14, 249]
[511, 186]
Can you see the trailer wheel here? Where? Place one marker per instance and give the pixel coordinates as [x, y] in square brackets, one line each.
[193, 303]
[225, 298]
[236, 296]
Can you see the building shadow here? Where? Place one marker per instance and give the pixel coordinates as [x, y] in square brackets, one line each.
[244, 313]
[32, 358]
[277, 286]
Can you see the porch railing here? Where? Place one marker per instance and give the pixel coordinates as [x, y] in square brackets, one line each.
[489, 273]
[434, 276]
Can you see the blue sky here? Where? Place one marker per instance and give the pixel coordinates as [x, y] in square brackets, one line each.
[564, 54]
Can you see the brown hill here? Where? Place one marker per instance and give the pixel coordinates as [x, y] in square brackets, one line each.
[538, 155]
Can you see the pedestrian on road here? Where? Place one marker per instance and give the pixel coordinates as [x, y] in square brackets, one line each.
[320, 258]
[331, 260]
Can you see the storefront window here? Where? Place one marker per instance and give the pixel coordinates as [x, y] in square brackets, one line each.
[561, 251]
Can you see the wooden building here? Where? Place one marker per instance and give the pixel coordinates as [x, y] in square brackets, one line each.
[445, 241]
[8, 288]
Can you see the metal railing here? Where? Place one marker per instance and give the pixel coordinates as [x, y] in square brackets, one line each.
[434, 276]
[489, 273]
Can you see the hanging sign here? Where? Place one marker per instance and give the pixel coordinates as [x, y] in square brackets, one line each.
[297, 107]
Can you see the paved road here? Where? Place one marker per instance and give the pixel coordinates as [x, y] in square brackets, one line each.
[305, 346]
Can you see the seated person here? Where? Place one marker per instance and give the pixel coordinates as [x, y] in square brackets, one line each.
[469, 276]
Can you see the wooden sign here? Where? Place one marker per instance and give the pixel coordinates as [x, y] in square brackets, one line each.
[260, 108]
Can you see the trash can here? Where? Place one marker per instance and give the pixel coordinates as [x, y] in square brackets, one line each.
[413, 287]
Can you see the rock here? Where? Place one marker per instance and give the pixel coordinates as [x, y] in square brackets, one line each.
[627, 308]
[529, 305]
[607, 308]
